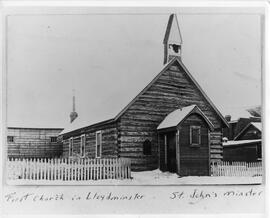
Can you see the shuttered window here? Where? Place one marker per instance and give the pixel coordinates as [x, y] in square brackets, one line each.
[70, 147]
[147, 150]
[98, 144]
[10, 138]
[195, 135]
[83, 145]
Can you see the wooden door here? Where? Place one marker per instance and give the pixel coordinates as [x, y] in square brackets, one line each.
[171, 152]
[194, 158]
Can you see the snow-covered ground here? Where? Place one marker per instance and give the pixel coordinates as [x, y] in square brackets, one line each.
[155, 177]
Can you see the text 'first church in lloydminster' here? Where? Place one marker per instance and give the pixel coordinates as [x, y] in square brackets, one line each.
[171, 124]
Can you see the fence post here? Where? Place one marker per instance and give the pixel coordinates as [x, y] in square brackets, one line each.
[104, 169]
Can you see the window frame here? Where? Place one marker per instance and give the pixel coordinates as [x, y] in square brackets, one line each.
[70, 150]
[53, 137]
[82, 145]
[100, 147]
[199, 136]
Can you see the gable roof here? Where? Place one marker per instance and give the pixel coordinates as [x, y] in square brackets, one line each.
[167, 66]
[80, 123]
[258, 126]
[176, 117]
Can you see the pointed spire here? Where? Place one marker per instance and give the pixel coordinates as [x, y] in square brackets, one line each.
[73, 100]
[172, 40]
[73, 115]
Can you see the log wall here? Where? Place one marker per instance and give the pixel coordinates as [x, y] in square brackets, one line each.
[109, 141]
[33, 143]
[216, 148]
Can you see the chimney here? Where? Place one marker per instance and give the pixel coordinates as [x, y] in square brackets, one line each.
[73, 115]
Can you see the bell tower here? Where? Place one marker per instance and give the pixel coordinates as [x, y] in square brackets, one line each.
[73, 115]
[172, 40]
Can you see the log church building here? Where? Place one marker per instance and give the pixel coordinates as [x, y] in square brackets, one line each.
[171, 124]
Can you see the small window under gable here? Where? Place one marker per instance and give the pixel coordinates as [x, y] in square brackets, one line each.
[195, 135]
[70, 147]
[98, 144]
[82, 145]
[147, 150]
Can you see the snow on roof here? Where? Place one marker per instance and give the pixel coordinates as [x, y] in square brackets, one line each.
[35, 127]
[175, 117]
[21, 125]
[257, 125]
[178, 115]
[81, 122]
[240, 142]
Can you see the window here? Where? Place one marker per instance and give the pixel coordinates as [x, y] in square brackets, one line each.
[10, 138]
[195, 135]
[83, 145]
[70, 146]
[147, 147]
[98, 144]
[53, 139]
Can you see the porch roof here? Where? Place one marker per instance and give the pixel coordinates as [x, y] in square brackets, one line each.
[177, 116]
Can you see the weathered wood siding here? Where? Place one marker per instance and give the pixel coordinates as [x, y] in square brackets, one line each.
[194, 160]
[33, 143]
[139, 122]
[109, 141]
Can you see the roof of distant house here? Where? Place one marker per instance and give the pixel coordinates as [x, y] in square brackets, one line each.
[256, 125]
[240, 142]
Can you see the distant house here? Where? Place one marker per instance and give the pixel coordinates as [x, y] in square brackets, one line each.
[237, 124]
[246, 146]
[171, 124]
[243, 150]
[25, 142]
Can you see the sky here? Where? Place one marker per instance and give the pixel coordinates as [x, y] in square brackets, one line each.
[108, 59]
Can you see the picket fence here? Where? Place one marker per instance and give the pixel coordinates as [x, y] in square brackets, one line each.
[68, 169]
[236, 169]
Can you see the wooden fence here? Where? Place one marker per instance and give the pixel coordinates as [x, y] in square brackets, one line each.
[68, 169]
[236, 169]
